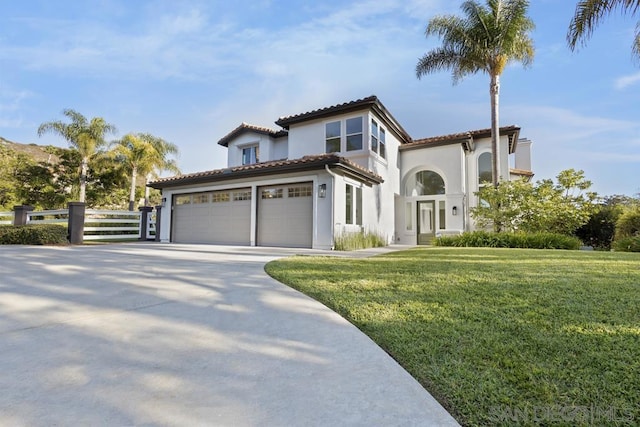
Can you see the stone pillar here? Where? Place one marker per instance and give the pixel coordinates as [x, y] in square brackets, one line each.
[76, 222]
[20, 214]
[158, 222]
[145, 211]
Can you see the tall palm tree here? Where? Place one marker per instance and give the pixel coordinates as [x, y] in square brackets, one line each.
[486, 39]
[86, 136]
[588, 15]
[144, 154]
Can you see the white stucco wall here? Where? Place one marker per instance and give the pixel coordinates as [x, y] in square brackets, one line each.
[266, 144]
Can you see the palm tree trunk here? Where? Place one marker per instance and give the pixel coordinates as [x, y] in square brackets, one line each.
[83, 178]
[146, 189]
[495, 128]
[495, 138]
[132, 193]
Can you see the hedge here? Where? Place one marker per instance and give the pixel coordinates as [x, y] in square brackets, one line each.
[627, 244]
[36, 234]
[479, 239]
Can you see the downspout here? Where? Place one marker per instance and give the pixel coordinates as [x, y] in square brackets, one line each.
[333, 203]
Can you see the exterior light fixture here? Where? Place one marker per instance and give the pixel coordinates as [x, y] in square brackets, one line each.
[454, 211]
[322, 191]
[164, 202]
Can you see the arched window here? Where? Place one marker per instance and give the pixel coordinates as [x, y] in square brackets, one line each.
[485, 173]
[425, 183]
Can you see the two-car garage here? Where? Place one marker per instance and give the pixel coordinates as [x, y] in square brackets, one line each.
[283, 217]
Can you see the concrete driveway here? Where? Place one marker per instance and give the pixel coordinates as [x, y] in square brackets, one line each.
[185, 335]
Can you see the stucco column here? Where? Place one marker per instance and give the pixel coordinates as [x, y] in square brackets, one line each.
[21, 213]
[158, 222]
[76, 222]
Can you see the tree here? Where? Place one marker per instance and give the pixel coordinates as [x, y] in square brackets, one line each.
[144, 154]
[589, 13]
[83, 135]
[486, 39]
[543, 206]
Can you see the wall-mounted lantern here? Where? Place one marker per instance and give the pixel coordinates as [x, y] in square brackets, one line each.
[322, 191]
[454, 211]
[163, 203]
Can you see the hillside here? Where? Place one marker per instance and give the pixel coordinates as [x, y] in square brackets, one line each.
[39, 153]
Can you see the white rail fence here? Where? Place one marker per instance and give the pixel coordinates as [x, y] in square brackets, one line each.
[6, 218]
[99, 225]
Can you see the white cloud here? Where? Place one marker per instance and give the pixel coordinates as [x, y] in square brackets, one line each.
[626, 81]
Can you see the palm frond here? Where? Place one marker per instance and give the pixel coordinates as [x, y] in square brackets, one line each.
[589, 14]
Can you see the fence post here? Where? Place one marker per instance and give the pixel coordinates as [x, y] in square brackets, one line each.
[21, 213]
[76, 222]
[144, 221]
[158, 216]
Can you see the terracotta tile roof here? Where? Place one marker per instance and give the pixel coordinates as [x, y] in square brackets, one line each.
[272, 167]
[512, 131]
[246, 127]
[371, 102]
[521, 172]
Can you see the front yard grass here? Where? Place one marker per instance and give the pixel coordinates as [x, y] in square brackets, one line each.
[498, 336]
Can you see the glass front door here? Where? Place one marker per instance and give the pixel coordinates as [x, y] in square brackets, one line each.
[426, 222]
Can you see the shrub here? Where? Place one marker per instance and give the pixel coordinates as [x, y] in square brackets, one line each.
[627, 244]
[37, 234]
[628, 225]
[350, 241]
[600, 229]
[510, 240]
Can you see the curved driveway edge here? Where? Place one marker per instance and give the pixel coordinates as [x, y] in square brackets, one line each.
[157, 334]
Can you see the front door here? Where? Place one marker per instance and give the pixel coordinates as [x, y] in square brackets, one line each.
[426, 222]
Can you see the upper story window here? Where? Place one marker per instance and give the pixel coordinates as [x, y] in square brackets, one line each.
[250, 155]
[425, 183]
[375, 136]
[344, 135]
[332, 136]
[378, 139]
[485, 173]
[354, 134]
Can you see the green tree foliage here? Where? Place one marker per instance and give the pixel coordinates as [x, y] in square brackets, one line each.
[545, 206]
[144, 154]
[599, 231]
[589, 13]
[628, 224]
[486, 40]
[86, 136]
[11, 163]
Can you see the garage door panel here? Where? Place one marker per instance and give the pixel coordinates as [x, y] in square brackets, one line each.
[285, 215]
[217, 219]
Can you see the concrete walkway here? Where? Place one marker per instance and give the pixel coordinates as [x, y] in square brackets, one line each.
[185, 335]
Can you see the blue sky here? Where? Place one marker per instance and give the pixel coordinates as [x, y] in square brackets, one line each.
[190, 71]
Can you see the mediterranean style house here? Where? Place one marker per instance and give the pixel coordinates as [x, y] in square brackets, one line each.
[339, 169]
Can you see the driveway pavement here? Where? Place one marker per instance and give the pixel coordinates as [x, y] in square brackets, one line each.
[185, 335]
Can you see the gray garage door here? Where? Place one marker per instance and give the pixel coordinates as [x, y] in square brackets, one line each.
[221, 217]
[285, 215]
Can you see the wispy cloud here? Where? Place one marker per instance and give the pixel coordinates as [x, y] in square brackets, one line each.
[626, 81]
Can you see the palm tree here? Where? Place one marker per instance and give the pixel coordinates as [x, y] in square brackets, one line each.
[87, 137]
[146, 155]
[588, 15]
[486, 39]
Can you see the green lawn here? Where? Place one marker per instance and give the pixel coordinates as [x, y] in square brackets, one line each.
[498, 336]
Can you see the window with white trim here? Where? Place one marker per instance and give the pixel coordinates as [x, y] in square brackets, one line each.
[332, 137]
[378, 139]
[250, 155]
[485, 169]
[354, 134]
[353, 205]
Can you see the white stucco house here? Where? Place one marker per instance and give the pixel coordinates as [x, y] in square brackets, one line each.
[343, 168]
